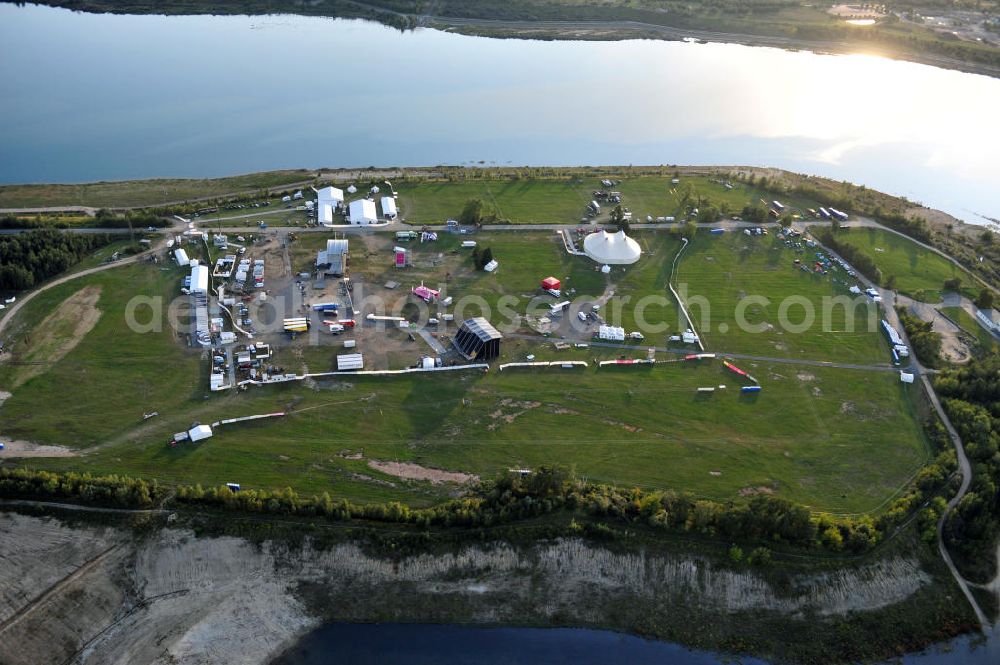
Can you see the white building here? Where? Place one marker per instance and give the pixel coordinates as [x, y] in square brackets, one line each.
[362, 211]
[181, 256]
[611, 248]
[328, 201]
[199, 277]
[388, 208]
[611, 333]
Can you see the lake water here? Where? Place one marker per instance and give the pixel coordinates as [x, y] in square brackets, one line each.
[89, 97]
[420, 644]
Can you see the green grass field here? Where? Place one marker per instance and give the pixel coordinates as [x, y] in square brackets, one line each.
[733, 268]
[808, 435]
[920, 273]
[563, 201]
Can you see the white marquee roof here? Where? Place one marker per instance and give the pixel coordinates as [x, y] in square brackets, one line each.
[362, 211]
[611, 248]
[330, 195]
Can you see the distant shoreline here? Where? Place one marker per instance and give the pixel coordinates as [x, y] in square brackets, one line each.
[555, 21]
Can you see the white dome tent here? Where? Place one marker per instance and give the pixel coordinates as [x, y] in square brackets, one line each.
[614, 249]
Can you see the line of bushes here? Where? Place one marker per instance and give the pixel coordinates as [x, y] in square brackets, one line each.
[763, 520]
[510, 498]
[104, 219]
[925, 342]
[857, 258]
[109, 491]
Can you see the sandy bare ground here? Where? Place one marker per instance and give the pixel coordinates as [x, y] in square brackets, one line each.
[953, 346]
[59, 333]
[410, 471]
[28, 449]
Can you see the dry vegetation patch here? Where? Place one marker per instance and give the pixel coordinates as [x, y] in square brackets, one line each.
[59, 333]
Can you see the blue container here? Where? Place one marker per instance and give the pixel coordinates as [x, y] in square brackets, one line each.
[750, 389]
[717, 231]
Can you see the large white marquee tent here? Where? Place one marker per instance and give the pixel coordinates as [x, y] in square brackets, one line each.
[611, 248]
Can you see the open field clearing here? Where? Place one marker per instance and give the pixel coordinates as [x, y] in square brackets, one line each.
[920, 273]
[563, 201]
[807, 436]
[110, 378]
[135, 193]
[733, 268]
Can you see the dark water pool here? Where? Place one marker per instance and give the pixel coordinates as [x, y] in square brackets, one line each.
[426, 644]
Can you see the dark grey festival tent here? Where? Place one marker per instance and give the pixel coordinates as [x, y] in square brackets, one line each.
[477, 339]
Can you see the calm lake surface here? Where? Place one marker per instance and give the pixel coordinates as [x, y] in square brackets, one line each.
[90, 97]
[416, 644]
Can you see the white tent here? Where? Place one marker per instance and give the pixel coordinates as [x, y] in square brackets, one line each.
[199, 278]
[611, 248]
[330, 195]
[388, 207]
[326, 213]
[350, 361]
[362, 211]
[352, 189]
[200, 432]
[328, 200]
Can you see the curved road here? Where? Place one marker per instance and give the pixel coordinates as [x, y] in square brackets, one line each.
[10, 312]
[965, 468]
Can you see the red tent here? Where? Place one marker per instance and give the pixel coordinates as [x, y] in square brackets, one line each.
[551, 283]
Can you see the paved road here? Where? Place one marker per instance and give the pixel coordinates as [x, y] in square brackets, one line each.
[964, 467]
[10, 312]
[888, 297]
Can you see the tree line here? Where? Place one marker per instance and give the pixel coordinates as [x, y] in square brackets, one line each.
[29, 258]
[763, 520]
[856, 257]
[113, 491]
[971, 396]
[104, 219]
[925, 343]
